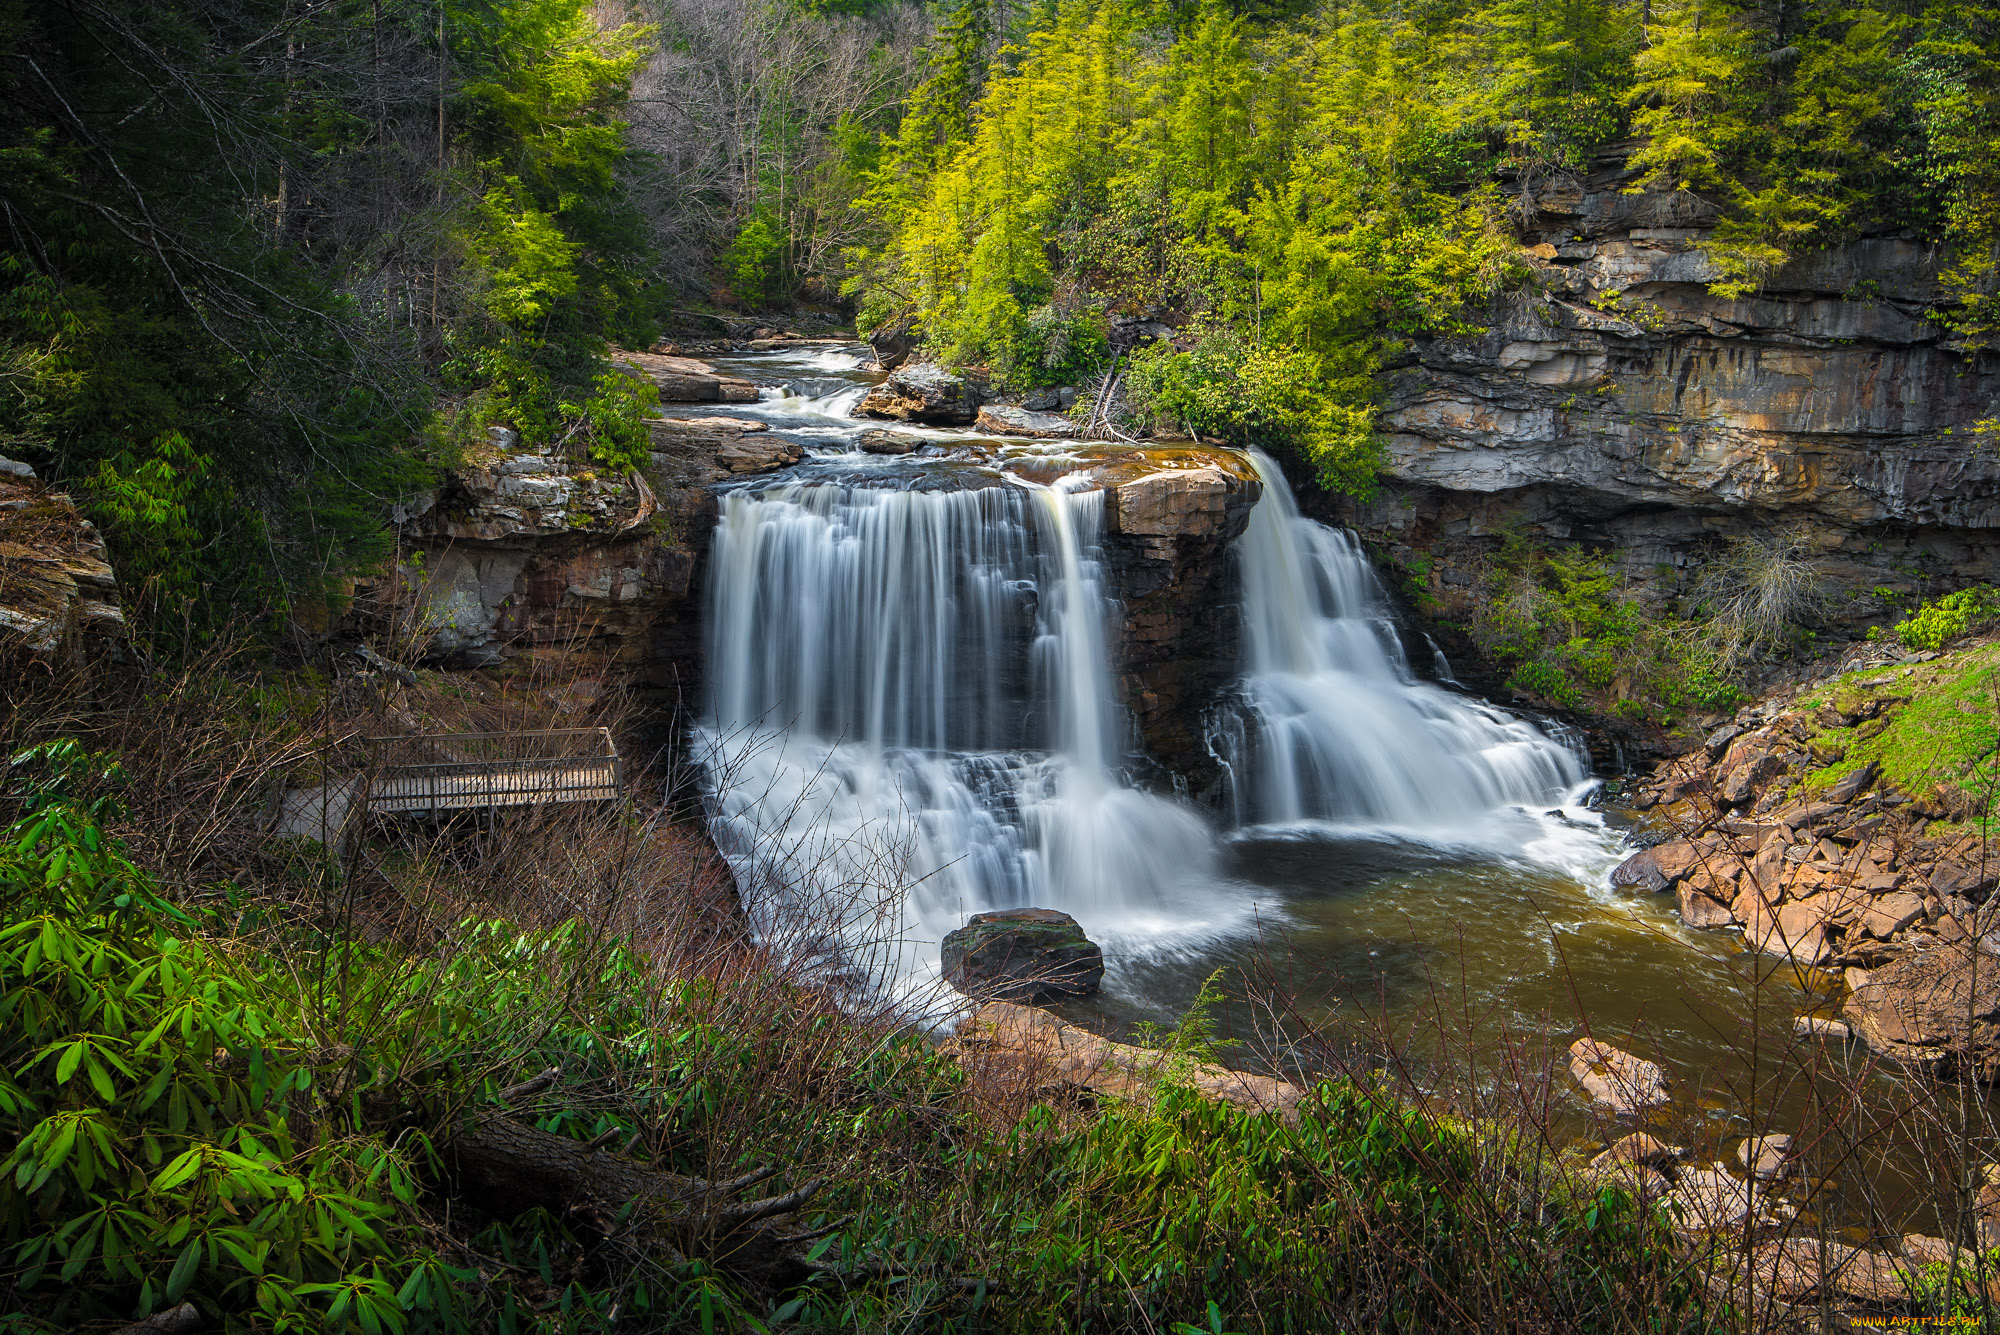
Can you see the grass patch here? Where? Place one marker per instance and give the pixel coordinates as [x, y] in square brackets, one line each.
[1943, 733]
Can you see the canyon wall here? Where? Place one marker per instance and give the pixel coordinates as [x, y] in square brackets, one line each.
[1615, 400]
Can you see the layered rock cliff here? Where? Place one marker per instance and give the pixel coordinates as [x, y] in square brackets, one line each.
[58, 595]
[1616, 400]
[529, 555]
[1169, 531]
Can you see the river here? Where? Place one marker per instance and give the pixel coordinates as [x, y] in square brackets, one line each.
[912, 718]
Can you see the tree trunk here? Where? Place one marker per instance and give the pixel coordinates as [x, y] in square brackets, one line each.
[506, 1166]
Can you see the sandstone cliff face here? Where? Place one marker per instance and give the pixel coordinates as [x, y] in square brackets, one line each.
[1618, 401]
[531, 555]
[58, 595]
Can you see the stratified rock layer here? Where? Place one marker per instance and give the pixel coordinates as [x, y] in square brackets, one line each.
[1617, 400]
[525, 554]
[57, 591]
[1172, 517]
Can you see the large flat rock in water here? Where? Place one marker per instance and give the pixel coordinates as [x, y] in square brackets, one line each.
[685, 380]
[1007, 420]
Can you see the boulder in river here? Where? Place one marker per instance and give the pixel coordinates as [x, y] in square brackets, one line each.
[1615, 1079]
[924, 393]
[1937, 1007]
[1022, 955]
[1712, 1200]
[1638, 1148]
[1005, 420]
[757, 454]
[1656, 869]
[1766, 1158]
[1797, 1268]
[685, 380]
[889, 442]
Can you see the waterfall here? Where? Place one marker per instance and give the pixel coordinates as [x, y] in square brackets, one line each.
[1330, 723]
[912, 719]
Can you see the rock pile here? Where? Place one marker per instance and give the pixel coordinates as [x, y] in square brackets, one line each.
[1850, 874]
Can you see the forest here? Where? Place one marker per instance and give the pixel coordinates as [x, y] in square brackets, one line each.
[281, 275]
[268, 261]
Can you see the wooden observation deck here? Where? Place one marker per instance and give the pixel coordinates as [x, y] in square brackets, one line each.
[480, 770]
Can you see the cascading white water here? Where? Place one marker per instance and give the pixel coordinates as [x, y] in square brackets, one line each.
[912, 720]
[1332, 725]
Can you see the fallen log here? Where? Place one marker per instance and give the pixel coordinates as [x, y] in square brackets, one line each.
[1024, 1047]
[506, 1166]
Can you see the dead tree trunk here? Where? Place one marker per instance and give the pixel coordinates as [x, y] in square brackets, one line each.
[506, 1166]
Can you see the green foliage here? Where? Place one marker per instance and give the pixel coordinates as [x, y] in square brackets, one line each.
[1934, 731]
[151, 1092]
[242, 263]
[1563, 624]
[1192, 1211]
[547, 238]
[1326, 190]
[1944, 619]
[204, 1106]
[1056, 347]
[1267, 398]
[197, 1117]
[754, 262]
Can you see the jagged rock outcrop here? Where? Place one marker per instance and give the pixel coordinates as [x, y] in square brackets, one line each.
[1617, 400]
[57, 590]
[529, 554]
[925, 393]
[1938, 1006]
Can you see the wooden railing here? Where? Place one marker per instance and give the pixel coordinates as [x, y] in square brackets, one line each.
[467, 770]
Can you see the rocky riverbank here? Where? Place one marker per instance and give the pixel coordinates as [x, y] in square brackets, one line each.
[1845, 826]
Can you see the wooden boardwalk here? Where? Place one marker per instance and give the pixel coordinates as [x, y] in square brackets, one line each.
[476, 771]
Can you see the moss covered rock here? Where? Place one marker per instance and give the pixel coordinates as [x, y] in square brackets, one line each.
[1022, 955]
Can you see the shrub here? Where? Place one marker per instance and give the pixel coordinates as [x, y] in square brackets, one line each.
[1942, 620]
[1755, 598]
[1056, 347]
[1265, 397]
[1566, 629]
[753, 265]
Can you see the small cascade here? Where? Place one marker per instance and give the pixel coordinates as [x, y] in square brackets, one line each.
[1332, 725]
[912, 720]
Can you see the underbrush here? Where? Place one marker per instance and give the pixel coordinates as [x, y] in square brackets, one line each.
[1567, 629]
[242, 1072]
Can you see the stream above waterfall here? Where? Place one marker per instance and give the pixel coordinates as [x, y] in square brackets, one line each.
[913, 718]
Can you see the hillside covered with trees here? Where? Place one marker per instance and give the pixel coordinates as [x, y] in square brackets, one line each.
[269, 264]
[339, 345]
